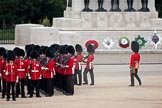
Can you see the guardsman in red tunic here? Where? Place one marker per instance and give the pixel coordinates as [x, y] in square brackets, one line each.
[35, 74]
[22, 71]
[89, 65]
[2, 51]
[49, 72]
[42, 60]
[2, 74]
[16, 50]
[68, 72]
[78, 67]
[134, 63]
[28, 49]
[11, 74]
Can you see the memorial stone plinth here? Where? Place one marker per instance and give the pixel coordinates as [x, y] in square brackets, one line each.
[78, 26]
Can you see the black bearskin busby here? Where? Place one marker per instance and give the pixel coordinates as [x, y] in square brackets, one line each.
[135, 46]
[65, 49]
[42, 50]
[56, 48]
[78, 48]
[71, 50]
[90, 49]
[36, 47]
[21, 52]
[49, 52]
[10, 55]
[2, 51]
[16, 50]
[34, 54]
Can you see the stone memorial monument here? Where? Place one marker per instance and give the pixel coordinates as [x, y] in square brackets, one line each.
[102, 19]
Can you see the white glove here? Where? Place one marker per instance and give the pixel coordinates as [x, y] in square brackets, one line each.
[17, 81]
[46, 68]
[0, 75]
[40, 77]
[43, 68]
[6, 73]
[29, 77]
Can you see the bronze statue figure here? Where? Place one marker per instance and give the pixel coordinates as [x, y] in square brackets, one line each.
[100, 6]
[115, 5]
[86, 4]
[144, 6]
[130, 6]
[69, 3]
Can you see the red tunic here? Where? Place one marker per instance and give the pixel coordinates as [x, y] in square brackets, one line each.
[49, 73]
[35, 70]
[135, 57]
[28, 65]
[78, 61]
[57, 66]
[1, 63]
[68, 70]
[21, 68]
[2, 72]
[89, 62]
[11, 72]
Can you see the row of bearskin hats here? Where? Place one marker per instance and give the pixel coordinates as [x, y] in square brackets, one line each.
[35, 50]
[90, 48]
[9, 55]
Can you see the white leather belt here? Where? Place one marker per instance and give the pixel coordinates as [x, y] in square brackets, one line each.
[21, 69]
[34, 70]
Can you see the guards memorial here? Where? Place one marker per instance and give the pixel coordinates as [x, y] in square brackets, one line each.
[112, 23]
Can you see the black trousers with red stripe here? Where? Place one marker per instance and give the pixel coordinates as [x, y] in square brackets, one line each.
[91, 75]
[68, 84]
[11, 85]
[34, 84]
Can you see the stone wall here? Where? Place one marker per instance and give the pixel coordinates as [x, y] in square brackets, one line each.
[22, 33]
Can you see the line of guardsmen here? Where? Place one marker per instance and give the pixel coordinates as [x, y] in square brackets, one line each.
[42, 69]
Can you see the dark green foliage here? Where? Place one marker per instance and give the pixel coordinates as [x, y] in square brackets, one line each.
[14, 12]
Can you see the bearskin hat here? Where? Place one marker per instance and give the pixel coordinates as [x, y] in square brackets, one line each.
[27, 47]
[16, 50]
[135, 46]
[36, 47]
[34, 54]
[78, 48]
[71, 50]
[65, 49]
[2, 51]
[21, 52]
[90, 49]
[42, 49]
[56, 47]
[10, 55]
[49, 52]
